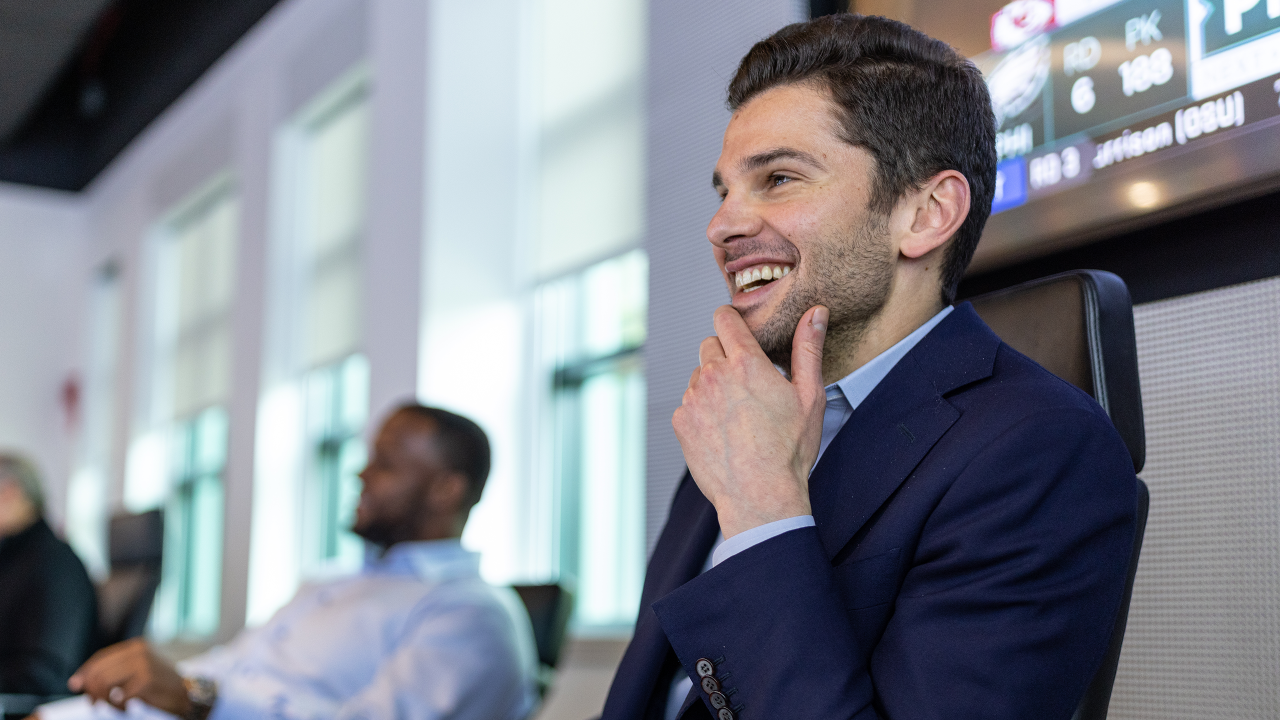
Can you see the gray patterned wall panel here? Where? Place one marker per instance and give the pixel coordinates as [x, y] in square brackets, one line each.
[1204, 627]
[694, 47]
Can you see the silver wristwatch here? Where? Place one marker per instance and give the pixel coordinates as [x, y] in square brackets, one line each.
[202, 693]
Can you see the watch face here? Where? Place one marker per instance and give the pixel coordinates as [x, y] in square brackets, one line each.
[202, 693]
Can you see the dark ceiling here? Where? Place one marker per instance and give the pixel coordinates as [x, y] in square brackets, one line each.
[80, 79]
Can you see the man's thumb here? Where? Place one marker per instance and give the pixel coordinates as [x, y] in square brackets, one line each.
[806, 348]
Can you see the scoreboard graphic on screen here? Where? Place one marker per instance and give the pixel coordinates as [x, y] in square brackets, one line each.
[1083, 89]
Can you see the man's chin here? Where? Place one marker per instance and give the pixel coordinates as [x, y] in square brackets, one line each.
[367, 531]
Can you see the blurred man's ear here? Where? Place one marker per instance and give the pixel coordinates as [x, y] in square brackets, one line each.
[447, 494]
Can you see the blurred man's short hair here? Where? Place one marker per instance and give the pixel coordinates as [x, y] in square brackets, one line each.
[463, 446]
[19, 469]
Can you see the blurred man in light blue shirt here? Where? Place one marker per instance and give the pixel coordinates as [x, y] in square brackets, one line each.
[416, 635]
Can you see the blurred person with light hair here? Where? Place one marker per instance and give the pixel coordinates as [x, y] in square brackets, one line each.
[417, 634]
[48, 609]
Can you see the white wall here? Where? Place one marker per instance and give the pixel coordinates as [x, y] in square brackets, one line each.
[473, 325]
[228, 121]
[42, 299]
[694, 48]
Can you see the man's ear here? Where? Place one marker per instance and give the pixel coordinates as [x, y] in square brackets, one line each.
[937, 211]
[448, 493]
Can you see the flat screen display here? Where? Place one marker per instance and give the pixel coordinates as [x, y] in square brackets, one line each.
[1111, 114]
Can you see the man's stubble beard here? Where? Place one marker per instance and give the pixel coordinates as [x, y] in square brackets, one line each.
[852, 279]
[386, 530]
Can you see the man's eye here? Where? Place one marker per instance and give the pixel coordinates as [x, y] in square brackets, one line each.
[776, 180]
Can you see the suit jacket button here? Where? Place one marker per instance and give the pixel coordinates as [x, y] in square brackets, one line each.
[709, 685]
[705, 668]
[718, 701]
[724, 714]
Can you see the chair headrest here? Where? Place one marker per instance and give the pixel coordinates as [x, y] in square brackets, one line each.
[1079, 326]
[136, 538]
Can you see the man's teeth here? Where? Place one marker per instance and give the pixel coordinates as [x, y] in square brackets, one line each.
[758, 277]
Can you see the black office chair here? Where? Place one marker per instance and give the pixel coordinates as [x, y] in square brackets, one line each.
[136, 547]
[135, 544]
[549, 609]
[1079, 326]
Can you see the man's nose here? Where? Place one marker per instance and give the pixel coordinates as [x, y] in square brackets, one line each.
[736, 218]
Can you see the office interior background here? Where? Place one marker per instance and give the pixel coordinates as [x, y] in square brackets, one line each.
[233, 235]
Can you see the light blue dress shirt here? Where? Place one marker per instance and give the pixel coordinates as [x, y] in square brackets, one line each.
[416, 635]
[842, 397]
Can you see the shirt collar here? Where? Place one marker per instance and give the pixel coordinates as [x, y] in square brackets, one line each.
[857, 385]
[429, 560]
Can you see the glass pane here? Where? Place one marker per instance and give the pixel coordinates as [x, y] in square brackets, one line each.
[354, 412]
[167, 615]
[612, 498]
[351, 460]
[336, 398]
[148, 472]
[333, 311]
[189, 242]
[204, 576]
[221, 228]
[591, 190]
[202, 369]
[337, 152]
[202, 257]
[210, 452]
[189, 598]
[591, 327]
[206, 262]
[322, 388]
[589, 50]
[614, 314]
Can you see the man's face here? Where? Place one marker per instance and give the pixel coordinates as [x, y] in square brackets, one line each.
[403, 465]
[794, 229]
[16, 511]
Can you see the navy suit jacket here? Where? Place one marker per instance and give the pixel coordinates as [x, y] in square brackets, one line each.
[974, 519]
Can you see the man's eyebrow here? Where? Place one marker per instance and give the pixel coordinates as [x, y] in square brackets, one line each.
[759, 160]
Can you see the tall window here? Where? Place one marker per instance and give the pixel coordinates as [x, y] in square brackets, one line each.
[193, 523]
[331, 159]
[316, 392]
[180, 463]
[536, 191]
[592, 329]
[589, 206]
[337, 403]
[590, 116]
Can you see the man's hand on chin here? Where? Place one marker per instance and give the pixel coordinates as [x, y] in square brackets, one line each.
[749, 435]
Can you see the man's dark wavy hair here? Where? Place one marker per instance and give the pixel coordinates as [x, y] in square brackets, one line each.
[911, 101]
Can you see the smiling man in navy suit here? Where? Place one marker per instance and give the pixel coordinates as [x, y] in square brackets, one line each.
[914, 521]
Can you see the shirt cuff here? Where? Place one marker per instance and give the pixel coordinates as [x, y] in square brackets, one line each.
[757, 535]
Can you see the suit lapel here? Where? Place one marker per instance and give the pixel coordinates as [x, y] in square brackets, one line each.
[884, 440]
[892, 430]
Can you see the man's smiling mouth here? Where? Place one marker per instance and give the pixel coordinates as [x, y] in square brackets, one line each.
[756, 277]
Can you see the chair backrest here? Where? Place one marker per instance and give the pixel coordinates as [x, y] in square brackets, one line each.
[549, 609]
[136, 548]
[1079, 326]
